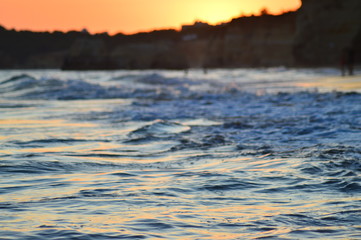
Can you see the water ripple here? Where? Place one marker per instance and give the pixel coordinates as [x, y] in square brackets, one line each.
[144, 155]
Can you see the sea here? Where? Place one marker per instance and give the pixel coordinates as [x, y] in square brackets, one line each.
[268, 153]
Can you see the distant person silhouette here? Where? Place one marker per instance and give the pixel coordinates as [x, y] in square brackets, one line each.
[347, 61]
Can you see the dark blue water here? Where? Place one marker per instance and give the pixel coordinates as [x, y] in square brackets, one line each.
[235, 154]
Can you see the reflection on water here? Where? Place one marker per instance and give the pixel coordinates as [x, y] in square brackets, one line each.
[210, 162]
[352, 83]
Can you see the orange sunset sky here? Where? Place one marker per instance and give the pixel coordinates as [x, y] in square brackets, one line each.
[128, 16]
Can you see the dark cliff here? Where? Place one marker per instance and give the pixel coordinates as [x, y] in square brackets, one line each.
[25, 49]
[244, 42]
[324, 29]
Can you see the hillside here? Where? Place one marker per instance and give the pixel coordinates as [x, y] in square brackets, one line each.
[315, 35]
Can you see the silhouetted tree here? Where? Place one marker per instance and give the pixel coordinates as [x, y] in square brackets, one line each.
[264, 12]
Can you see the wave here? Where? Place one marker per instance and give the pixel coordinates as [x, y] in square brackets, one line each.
[160, 128]
[145, 86]
[28, 87]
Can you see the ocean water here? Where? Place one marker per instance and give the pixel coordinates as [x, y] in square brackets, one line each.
[229, 154]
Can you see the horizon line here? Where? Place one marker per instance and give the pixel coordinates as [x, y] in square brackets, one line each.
[178, 29]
